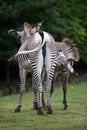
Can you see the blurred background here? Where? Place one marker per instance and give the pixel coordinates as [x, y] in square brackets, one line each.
[61, 18]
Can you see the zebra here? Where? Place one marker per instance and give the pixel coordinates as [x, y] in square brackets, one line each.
[25, 34]
[65, 64]
[51, 48]
[68, 54]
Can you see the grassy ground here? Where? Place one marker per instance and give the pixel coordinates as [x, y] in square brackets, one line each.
[75, 118]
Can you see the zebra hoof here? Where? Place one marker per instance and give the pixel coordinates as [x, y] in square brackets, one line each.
[66, 107]
[35, 106]
[18, 109]
[49, 111]
[40, 112]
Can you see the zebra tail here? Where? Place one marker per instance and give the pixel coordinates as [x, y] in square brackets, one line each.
[12, 59]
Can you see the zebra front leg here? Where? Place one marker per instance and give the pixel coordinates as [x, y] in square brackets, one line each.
[22, 74]
[65, 83]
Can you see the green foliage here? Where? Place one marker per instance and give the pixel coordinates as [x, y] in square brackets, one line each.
[61, 18]
[75, 118]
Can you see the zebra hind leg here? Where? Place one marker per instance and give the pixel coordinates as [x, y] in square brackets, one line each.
[49, 106]
[50, 111]
[35, 102]
[40, 106]
[43, 100]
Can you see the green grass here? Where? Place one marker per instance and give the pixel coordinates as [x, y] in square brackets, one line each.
[75, 118]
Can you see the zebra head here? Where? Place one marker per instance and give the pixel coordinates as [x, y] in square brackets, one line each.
[67, 54]
[63, 63]
[32, 39]
[24, 34]
[62, 60]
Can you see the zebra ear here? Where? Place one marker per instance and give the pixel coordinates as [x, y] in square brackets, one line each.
[13, 32]
[27, 26]
[36, 29]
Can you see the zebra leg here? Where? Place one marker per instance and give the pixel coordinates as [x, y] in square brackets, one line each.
[65, 77]
[43, 100]
[22, 74]
[37, 88]
[52, 85]
[44, 84]
[35, 102]
[49, 95]
[37, 65]
[40, 91]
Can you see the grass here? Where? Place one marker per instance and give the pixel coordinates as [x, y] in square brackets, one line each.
[75, 118]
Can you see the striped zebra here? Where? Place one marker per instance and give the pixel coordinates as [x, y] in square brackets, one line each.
[24, 35]
[68, 54]
[51, 61]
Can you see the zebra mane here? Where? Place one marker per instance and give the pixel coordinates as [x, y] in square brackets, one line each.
[71, 50]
